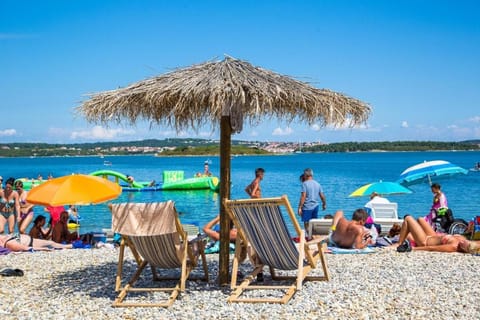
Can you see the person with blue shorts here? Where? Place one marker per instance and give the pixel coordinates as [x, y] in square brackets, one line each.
[311, 195]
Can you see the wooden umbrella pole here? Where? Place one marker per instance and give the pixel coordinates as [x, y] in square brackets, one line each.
[225, 153]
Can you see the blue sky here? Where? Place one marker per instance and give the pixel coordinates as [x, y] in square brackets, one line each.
[415, 62]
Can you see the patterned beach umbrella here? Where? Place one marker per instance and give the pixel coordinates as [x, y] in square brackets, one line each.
[382, 188]
[429, 171]
[223, 93]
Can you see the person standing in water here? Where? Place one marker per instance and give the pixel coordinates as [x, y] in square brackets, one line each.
[253, 189]
[255, 192]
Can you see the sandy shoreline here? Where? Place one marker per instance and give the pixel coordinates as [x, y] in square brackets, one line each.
[78, 284]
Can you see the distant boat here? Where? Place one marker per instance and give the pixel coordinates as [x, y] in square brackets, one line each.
[476, 167]
[107, 163]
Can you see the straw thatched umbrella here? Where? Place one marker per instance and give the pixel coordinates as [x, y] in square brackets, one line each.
[223, 92]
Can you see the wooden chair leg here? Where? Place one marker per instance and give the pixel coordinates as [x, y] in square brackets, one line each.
[121, 254]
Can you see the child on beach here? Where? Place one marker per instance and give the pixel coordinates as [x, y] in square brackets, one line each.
[253, 189]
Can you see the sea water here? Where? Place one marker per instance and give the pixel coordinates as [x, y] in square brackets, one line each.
[338, 173]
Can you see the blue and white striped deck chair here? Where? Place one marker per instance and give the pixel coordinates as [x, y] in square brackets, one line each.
[156, 237]
[261, 226]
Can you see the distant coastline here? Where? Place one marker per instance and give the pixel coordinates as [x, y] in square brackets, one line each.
[204, 147]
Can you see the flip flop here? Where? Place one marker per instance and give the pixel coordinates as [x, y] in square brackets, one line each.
[11, 273]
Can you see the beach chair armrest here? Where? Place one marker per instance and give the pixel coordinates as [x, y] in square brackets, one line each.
[315, 241]
[197, 238]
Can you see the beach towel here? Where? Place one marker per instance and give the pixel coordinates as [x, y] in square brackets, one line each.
[336, 250]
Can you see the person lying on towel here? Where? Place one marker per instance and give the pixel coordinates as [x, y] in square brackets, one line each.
[350, 234]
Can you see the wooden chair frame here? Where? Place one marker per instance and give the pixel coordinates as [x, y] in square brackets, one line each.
[188, 263]
[307, 258]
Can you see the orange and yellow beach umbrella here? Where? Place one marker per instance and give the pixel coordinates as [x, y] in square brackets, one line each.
[76, 189]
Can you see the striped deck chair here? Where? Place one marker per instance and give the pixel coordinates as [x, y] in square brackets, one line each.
[154, 234]
[261, 227]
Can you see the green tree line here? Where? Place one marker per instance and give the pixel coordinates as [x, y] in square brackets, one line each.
[392, 146]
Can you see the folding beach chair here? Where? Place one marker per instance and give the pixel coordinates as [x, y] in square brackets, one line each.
[155, 236]
[261, 227]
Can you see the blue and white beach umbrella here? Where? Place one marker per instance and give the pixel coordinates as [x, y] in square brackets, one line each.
[429, 171]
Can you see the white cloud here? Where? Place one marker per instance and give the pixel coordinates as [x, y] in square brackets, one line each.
[8, 132]
[347, 125]
[315, 127]
[101, 133]
[282, 132]
[253, 133]
[404, 124]
[475, 119]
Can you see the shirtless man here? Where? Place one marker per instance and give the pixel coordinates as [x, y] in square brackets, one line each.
[253, 189]
[211, 231]
[350, 234]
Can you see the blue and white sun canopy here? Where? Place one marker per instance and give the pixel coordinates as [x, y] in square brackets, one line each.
[429, 171]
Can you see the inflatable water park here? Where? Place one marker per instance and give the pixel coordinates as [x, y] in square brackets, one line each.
[172, 180]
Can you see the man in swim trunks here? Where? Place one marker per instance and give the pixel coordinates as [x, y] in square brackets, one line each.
[350, 234]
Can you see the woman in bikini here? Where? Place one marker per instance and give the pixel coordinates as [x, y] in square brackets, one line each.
[37, 231]
[23, 242]
[25, 215]
[419, 235]
[9, 204]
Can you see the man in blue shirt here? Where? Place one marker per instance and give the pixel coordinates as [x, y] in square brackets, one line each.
[312, 193]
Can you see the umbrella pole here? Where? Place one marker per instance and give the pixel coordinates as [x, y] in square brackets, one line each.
[225, 150]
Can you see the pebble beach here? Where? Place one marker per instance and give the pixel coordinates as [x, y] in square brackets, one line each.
[79, 284]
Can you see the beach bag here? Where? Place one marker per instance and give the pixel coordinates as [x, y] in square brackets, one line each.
[476, 229]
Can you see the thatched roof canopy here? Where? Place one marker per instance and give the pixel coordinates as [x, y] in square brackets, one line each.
[222, 94]
[200, 94]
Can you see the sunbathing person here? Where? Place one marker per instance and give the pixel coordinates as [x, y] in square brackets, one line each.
[350, 234]
[419, 235]
[23, 242]
[60, 233]
[213, 232]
